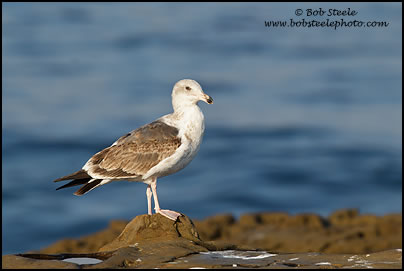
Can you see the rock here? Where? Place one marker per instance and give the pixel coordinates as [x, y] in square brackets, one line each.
[163, 256]
[215, 227]
[90, 243]
[18, 262]
[144, 242]
[307, 221]
[154, 228]
[345, 239]
[276, 219]
[343, 217]
[345, 231]
[261, 259]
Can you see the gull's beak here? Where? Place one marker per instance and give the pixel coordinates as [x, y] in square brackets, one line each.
[207, 99]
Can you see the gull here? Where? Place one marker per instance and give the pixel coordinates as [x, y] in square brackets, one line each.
[154, 150]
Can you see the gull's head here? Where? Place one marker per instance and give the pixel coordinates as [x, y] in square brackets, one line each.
[188, 92]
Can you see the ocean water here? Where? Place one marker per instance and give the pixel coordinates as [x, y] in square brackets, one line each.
[303, 120]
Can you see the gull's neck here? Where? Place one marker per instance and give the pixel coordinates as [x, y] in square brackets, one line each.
[188, 116]
[185, 109]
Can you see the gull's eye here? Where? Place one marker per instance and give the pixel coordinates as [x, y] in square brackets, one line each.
[187, 88]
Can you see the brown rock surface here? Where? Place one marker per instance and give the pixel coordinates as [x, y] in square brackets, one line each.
[258, 259]
[144, 242]
[167, 255]
[17, 262]
[154, 228]
[344, 231]
[90, 243]
[361, 241]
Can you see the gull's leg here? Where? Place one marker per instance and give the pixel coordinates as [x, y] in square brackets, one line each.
[167, 213]
[149, 195]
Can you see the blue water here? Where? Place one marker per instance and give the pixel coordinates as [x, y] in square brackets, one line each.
[303, 120]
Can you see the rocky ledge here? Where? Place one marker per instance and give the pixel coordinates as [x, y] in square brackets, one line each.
[266, 240]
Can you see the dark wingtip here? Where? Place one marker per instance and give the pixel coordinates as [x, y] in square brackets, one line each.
[58, 180]
[74, 182]
[87, 187]
[81, 174]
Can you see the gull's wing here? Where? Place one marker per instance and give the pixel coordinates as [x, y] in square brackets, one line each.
[131, 156]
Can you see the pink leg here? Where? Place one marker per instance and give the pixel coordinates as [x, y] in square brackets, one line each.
[167, 213]
[149, 195]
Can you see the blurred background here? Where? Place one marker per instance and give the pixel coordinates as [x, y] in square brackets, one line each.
[304, 119]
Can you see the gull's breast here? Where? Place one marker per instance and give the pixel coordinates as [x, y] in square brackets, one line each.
[191, 129]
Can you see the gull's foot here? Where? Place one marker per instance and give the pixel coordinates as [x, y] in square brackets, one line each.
[169, 214]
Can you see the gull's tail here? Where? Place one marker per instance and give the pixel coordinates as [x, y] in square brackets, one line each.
[78, 178]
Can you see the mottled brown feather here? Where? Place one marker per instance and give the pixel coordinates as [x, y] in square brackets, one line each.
[136, 153]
